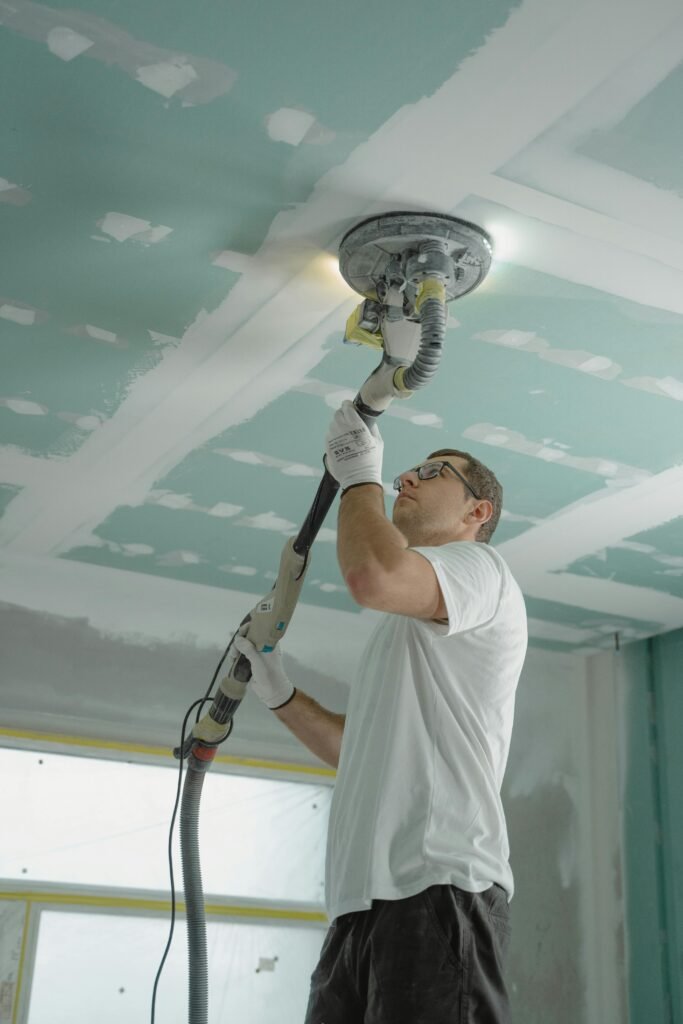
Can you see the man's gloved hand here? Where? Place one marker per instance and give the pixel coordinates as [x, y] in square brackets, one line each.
[354, 452]
[268, 679]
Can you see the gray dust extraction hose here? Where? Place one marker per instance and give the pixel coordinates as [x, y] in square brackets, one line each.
[194, 895]
[433, 330]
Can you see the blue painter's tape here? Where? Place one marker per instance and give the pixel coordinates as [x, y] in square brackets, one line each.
[266, 649]
[280, 625]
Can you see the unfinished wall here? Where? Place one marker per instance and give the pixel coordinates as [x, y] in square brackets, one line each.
[560, 794]
[65, 675]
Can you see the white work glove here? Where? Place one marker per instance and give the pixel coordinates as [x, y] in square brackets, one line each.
[354, 452]
[268, 679]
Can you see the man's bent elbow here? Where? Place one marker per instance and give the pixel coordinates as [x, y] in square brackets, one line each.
[366, 588]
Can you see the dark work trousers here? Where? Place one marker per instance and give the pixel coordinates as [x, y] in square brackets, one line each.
[434, 958]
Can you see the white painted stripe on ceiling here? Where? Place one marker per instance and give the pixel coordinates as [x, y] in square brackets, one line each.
[588, 224]
[606, 597]
[602, 521]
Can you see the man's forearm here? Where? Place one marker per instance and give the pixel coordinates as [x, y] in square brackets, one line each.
[366, 540]
[318, 729]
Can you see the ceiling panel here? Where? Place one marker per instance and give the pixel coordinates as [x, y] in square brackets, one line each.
[174, 182]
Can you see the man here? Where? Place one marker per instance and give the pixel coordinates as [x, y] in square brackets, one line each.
[417, 878]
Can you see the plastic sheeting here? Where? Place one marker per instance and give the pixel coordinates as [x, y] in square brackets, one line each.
[75, 820]
[93, 966]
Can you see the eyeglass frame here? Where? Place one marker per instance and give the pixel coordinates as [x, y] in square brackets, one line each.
[398, 486]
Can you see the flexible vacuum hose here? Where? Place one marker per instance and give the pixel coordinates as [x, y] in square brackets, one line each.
[194, 896]
[433, 330]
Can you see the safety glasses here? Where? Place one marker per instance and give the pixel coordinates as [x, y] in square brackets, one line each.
[429, 471]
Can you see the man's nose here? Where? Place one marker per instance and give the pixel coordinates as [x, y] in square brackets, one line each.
[409, 476]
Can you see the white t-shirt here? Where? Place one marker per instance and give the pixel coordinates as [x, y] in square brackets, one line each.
[417, 796]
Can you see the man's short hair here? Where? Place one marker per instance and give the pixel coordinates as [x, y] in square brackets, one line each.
[485, 483]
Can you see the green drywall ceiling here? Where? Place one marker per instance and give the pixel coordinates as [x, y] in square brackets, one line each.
[100, 142]
[661, 565]
[83, 139]
[646, 143]
[292, 428]
[70, 377]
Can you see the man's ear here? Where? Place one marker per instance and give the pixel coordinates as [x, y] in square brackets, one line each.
[482, 512]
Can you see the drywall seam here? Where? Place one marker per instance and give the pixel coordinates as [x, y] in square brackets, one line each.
[229, 388]
[551, 166]
[608, 597]
[617, 473]
[69, 34]
[606, 520]
[590, 224]
[602, 266]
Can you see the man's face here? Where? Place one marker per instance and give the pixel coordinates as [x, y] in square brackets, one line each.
[426, 510]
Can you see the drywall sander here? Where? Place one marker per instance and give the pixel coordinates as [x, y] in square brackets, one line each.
[407, 267]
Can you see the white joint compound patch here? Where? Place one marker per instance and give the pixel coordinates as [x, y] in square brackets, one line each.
[239, 570]
[88, 423]
[668, 387]
[168, 77]
[512, 440]
[163, 339]
[238, 262]
[22, 314]
[99, 333]
[296, 126]
[18, 315]
[286, 467]
[13, 194]
[71, 33]
[224, 510]
[573, 359]
[170, 500]
[174, 559]
[96, 334]
[23, 407]
[124, 228]
[66, 44]
[268, 521]
[137, 550]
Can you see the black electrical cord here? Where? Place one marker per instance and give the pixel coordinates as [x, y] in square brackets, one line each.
[199, 705]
